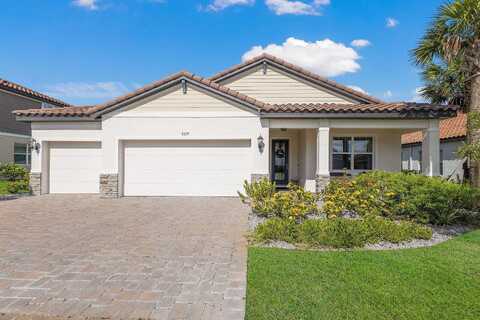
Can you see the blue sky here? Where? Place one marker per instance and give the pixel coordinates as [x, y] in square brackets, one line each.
[88, 51]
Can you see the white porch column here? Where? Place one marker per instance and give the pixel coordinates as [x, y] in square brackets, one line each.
[323, 158]
[431, 149]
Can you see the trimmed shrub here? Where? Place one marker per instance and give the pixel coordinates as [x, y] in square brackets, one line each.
[276, 229]
[13, 172]
[402, 196]
[340, 232]
[337, 233]
[258, 194]
[19, 186]
[293, 204]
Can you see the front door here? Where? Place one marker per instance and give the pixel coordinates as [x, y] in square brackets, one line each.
[280, 162]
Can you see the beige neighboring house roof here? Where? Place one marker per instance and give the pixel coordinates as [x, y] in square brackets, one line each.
[452, 128]
[24, 91]
[368, 106]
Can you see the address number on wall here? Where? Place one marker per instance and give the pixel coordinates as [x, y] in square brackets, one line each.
[185, 133]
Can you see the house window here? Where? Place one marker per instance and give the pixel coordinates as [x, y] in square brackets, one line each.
[21, 154]
[352, 153]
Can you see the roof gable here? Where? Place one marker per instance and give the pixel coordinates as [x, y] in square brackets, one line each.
[95, 112]
[266, 60]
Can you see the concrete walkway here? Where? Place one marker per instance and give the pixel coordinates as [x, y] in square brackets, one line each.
[158, 258]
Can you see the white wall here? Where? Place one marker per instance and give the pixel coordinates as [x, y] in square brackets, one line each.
[279, 87]
[173, 115]
[44, 132]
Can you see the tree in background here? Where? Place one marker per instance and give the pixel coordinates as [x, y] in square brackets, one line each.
[449, 54]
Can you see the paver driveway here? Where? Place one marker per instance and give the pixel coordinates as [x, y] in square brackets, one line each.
[161, 258]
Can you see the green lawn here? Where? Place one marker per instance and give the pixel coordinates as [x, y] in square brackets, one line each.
[441, 282]
[3, 187]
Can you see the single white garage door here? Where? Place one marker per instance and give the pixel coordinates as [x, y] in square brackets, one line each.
[186, 168]
[75, 167]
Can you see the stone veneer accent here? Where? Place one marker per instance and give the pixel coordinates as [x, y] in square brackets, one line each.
[258, 176]
[36, 183]
[321, 182]
[109, 185]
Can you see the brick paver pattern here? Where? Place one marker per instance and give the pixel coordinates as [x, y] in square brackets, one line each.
[80, 256]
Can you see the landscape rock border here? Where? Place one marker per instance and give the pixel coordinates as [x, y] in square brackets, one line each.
[7, 197]
[439, 234]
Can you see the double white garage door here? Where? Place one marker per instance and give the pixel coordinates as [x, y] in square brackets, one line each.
[156, 168]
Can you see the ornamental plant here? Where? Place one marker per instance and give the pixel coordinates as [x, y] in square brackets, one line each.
[293, 204]
[402, 196]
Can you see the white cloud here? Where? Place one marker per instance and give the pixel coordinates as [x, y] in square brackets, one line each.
[324, 57]
[282, 7]
[84, 90]
[417, 96]
[392, 23]
[359, 89]
[388, 94]
[219, 5]
[360, 43]
[87, 4]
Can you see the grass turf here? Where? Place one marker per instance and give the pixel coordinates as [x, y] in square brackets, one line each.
[441, 282]
[3, 187]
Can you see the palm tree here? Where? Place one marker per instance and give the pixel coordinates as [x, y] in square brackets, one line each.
[452, 44]
[444, 83]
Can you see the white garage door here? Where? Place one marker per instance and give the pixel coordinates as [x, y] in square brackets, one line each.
[75, 167]
[186, 168]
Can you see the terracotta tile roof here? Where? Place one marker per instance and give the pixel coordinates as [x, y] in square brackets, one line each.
[24, 91]
[397, 107]
[91, 111]
[310, 75]
[449, 129]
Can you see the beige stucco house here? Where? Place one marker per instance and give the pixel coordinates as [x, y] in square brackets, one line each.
[190, 136]
[15, 136]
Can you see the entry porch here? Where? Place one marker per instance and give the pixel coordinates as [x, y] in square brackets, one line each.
[310, 152]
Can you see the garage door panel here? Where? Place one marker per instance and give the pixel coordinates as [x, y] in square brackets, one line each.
[75, 167]
[186, 168]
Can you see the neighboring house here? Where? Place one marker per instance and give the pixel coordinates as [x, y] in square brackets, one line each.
[190, 136]
[453, 133]
[15, 136]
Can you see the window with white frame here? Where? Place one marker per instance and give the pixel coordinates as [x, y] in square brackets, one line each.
[21, 154]
[352, 153]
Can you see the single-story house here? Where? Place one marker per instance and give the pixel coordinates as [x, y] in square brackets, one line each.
[15, 136]
[191, 136]
[453, 134]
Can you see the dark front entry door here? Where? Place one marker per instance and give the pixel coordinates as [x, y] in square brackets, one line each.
[280, 162]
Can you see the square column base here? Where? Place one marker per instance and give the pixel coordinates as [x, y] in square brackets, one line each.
[36, 183]
[321, 182]
[109, 186]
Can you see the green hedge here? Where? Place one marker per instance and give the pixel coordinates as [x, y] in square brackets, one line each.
[403, 196]
[340, 232]
[17, 178]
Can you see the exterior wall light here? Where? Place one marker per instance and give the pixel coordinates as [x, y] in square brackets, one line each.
[34, 145]
[261, 144]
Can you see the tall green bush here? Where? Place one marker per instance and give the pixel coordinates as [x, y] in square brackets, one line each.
[402, 196]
